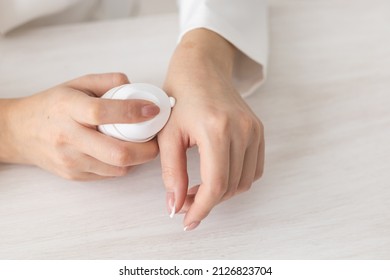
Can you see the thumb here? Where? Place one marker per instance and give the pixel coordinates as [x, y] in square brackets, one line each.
[174, 168]
[97, 111]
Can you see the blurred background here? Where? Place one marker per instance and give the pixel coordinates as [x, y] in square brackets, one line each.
[92, 10]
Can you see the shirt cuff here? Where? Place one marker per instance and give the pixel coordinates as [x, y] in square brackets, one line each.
[244, 24]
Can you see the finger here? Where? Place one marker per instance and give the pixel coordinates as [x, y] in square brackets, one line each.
[113, 151]
[98, 84]
[254, 159]
[94, 166]
[76, 174]
[249, 168]
[84, 176]
[189, 199]
[237, 156]
[73, 164]
[214, 161]
[95, 111]
[174, 168]
[261, 158]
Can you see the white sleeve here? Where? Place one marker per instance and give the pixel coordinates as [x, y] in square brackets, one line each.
[244, 24]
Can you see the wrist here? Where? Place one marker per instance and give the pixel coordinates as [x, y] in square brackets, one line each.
[207, 46]
[201, 56]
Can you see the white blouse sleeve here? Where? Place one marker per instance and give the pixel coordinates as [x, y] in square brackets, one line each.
[244, 24]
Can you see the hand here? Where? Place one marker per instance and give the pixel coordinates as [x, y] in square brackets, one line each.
[56, 129]
[211, 114]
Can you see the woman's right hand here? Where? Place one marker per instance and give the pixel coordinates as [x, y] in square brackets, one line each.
[56, 129]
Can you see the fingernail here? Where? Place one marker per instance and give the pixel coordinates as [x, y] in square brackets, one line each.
[150, 110]
[171, 204]
[191, 226]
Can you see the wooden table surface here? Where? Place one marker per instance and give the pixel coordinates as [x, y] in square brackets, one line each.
[325, 193]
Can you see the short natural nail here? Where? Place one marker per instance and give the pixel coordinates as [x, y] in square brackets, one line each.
[150, 110]
[191, 226]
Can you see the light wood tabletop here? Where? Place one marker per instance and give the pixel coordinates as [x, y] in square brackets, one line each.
[325, 193]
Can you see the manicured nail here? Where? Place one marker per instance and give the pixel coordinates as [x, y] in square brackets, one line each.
[191, 226]
[173, 211]
[171, 204]
[150, 110]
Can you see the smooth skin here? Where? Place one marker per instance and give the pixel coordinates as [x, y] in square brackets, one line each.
[210, 114]
[56, 129]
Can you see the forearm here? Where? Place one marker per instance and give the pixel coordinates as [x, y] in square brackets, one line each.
[7, 151]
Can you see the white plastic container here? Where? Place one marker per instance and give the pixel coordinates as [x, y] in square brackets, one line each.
[143, 131]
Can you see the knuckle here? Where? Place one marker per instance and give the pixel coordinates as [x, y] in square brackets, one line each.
[245, 186]
[218, 122]
[234, 183]
[229, 194]
[153, 151]
[119, 78]
[121, 156]
[60, 139]
[218, 190]
[68, 162]
[256, 131]
[122, 171]
[69, 175]
[251, 126]
[259, 173]
[246, 122]
[246, 127]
